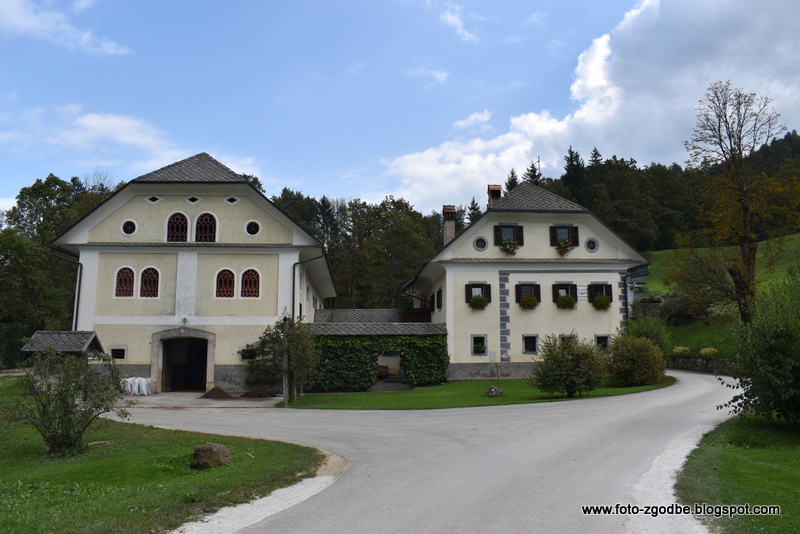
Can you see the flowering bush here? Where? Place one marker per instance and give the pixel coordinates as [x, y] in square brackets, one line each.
[601, 302]
[478, 302]
[509, 246]
[566, 302]
[528, 302]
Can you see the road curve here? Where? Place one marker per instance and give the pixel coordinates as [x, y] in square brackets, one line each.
[521, 468]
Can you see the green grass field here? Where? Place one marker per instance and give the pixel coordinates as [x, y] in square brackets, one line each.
[745, 461]
[453, 395]
[137, 479]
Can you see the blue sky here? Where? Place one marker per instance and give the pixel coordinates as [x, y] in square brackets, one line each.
[425, 100]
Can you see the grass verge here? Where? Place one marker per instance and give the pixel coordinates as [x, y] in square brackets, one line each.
[721, 334]
[453, 395]
[745, 461]
[137, 479]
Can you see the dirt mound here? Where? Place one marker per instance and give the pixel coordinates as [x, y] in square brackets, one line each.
[258, 393]
[217, 393]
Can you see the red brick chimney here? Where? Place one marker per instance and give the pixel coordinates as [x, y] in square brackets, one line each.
[448, 223]
[495, 193]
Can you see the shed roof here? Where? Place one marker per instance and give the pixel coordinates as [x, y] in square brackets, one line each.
[63, 341]
[378, 322]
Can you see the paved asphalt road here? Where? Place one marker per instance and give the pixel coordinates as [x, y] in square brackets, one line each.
[510, 469]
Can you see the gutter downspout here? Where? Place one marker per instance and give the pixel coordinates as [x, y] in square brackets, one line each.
[294, 279]
[75, 307]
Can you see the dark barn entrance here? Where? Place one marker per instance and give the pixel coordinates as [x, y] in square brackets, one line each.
[184, 366]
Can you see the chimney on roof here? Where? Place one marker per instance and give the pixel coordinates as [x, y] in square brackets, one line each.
[449, 223]
[495, 193]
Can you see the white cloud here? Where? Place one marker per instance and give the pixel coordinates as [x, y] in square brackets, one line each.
[452, 17]
[7, 203]
[635, 90]
[476, 119]
[82, 5]
[238, 164]
[26, 19]
[426, 70]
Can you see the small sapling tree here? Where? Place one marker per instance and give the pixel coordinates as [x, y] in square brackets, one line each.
[62, 395]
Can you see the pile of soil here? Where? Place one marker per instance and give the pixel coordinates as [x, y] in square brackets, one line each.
[258, 393]
[217, 393]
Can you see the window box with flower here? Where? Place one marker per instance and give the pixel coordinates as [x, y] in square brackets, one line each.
[509, 247]
[528, 302]
[564, 247]
[478, 302]
[566, 302]
[601, 302]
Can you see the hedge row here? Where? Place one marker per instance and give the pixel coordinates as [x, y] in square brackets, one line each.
[350, 363]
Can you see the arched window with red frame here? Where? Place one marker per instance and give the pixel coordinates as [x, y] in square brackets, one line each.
[177, 228]
[225, 284]
[149, 283]
[206, 229]
[250, 283]
[124, 286]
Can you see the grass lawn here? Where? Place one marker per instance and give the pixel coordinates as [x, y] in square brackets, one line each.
[138, 480]
[721, 334]
[452, 395]
[744, 461]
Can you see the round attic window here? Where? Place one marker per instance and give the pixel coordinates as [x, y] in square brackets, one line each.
[480, 243]
[252, 228]
[128, 227]
[591, 244]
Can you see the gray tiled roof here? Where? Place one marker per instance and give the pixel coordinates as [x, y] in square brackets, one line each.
[528, 197]
[378, 329]
[380, 322]
[196, 169]
[356, 316]
[63, 341]
[560, 261]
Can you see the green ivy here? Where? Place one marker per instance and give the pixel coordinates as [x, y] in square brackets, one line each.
[350, 363]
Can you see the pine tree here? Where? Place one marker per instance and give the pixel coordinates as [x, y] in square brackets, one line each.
[473, 211]
[533, 174]
[512, 181]
[574, 176]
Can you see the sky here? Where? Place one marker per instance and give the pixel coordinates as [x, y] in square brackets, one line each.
[426, 100]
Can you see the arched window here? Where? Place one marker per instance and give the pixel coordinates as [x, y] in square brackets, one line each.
[225, 284]
[149, 284]
[206, 229]
[124, 286]
[250, 283]
[177, 228]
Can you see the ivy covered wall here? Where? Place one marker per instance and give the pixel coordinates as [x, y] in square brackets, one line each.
[350, 363]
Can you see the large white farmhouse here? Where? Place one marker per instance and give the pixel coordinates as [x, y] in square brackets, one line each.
[529, 244]
[183, 267]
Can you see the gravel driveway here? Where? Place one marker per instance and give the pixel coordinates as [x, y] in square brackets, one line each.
[521, 468]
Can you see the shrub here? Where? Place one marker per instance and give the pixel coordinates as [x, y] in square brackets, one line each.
[769, 371]
[708, 352]
[681, 350]
[62, 395]
[568, 366]
[650, 299]
[652, 328]
[635, 361]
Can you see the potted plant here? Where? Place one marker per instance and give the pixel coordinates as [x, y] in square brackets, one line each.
[479, 349]
[478, 302]
[601, 302]
[528, 302]
[510, 247]
[566, 302]
[564, 246]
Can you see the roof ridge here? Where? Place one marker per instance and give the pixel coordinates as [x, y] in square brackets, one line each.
[531, 197]
[198, 168]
